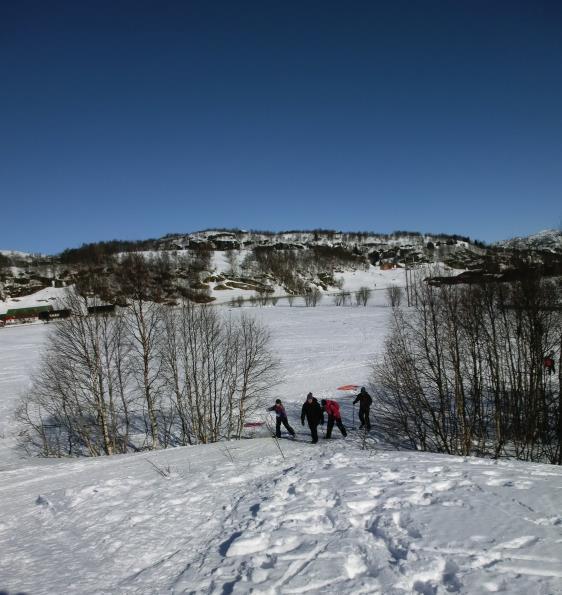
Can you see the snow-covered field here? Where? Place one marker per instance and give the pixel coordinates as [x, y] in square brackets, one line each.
[50, 296]
[242, 518]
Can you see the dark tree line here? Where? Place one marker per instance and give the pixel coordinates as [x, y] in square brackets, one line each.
[294, 268]
[463, 373]
[97, 252]
[162, 277]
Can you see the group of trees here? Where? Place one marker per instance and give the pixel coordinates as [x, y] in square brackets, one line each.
[96, 253]
[462, 371]
[362, 297]
[149, 376]
[292, 267]
[161, 277]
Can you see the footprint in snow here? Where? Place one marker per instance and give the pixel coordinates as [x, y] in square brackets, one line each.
[405, 524]
[501, 482]
[362, 479]
[443, 486]
[523, 485]
[362, 506]
[518, 542]
[243, 546]
[354, 566]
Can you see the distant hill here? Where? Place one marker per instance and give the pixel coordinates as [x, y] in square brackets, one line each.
[207, 264]
[547, 240]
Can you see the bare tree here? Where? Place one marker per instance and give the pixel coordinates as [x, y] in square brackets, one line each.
[362, 296]
[217, 369]
[462, 372]
[78, 403]
[312, 296]
[262, 296]
[394, 295]
[143, 321]
[342, 298]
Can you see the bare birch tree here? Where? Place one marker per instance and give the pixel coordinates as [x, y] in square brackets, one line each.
[78, 403]
[462, 371]
[217, 368]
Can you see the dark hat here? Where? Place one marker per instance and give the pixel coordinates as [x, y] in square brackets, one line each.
[362, 389]
[323, 401]
[278, 401]
[309, 396]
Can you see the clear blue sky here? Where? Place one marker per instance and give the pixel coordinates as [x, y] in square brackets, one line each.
[133, 119]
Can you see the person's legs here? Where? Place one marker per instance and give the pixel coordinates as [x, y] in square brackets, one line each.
[330, 426]
[361, 417]
[366, 418]
[278, 427]
[314, 432]
[289, 429]
[341, 427]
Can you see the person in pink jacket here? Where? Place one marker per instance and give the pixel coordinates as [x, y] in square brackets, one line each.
[280, 418]
[332, 409]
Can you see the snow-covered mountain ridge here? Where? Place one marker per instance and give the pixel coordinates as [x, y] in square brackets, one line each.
[237, 239]
[547, 240]
[314, 256]
[202, 265]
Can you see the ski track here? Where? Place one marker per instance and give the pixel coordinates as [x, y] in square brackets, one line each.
[326, 519]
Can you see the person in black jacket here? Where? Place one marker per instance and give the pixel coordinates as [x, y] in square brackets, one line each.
[314, 415]
[365, 401]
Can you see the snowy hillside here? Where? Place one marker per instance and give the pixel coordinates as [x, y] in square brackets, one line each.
[237, 239]
[293, 261]
[239, 518]
[373, 278]
[53, 296]
[242, 517]
[548, 239]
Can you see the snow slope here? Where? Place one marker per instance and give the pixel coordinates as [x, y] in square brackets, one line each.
[239, 517]
[52, 296]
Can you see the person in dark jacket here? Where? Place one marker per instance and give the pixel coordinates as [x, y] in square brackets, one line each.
[332, 408]
[549, 363]
[365, 401]
[281, 418]
[314, 415]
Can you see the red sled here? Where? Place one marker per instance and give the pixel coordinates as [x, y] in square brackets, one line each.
[348, 387]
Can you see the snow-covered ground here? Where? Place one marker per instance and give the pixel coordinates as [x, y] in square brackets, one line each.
[50, 296]
[373, 278]
[240, 517]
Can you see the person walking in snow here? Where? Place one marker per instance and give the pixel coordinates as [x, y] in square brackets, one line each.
[332, 408]
[281, 418]
[313, 413]
[549, 363]
[365, 401]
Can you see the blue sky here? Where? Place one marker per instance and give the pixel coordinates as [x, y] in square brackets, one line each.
[133, 119]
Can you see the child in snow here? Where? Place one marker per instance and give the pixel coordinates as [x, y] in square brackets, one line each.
[365, 401]
[314, 415]
[281, 418]
[332, 408]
